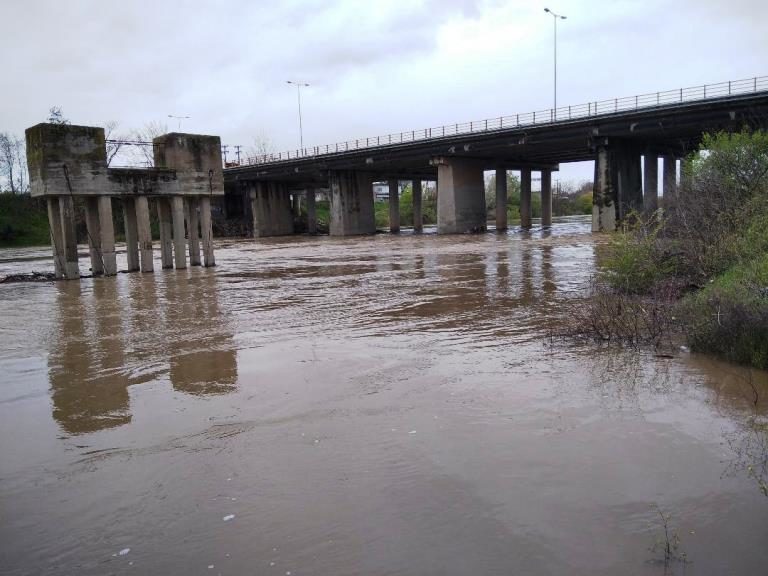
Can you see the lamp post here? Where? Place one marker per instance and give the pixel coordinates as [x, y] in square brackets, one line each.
[179, 118]
[555, 17]
[299, 85]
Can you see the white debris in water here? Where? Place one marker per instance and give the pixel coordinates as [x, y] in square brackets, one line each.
[288, 573]
[228, 517]
[271, 563]
[229, 479]
[412, 432]
[124, 551]
[233, 499]
[210, 566]
[684, 348]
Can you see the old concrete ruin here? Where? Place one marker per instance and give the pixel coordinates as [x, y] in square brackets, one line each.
[68, 162]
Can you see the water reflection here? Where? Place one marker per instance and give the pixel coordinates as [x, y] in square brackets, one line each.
[120, 334]
[85, 365]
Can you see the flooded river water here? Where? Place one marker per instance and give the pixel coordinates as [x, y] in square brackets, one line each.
[383, 405]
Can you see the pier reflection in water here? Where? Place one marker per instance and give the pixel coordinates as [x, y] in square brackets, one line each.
[110, 335]
[384, 405]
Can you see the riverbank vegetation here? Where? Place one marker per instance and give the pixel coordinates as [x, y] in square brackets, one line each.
[698, 268]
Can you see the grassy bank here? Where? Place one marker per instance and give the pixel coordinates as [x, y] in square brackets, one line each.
[702, 261]
[23, 221]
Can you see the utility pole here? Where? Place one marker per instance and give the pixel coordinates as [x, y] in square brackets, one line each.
[224, 152]
[179, 118]
[237, 153]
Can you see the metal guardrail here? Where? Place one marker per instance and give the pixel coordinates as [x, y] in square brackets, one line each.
[538, 118]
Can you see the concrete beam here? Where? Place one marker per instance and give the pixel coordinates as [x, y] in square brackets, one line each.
[179, 239]
[526, 215]
[461, 203]
[546, 198]
[418, 220]
[394, 206]
[131, 234]
[351, 196]
[144, 233]
[501, 199]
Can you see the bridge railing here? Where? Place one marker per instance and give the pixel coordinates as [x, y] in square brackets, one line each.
[541, 117]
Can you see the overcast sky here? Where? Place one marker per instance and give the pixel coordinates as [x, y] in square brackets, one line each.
[374, 66]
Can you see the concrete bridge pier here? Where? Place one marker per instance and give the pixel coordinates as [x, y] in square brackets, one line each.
[131, 234]
[351, 203]
[57, 236]
[394, 206]
[272, 209]
[311, 212]
[418, 220]
[526, 216]
[618, 188]
[101, 235]
[144, 233]
[193, 230]
[206, 227]
[461, 202]
[546, 198]
[669, 179]
[501, 199]
[179, 238]
[166, 233]
[650, 182]
[69, 237]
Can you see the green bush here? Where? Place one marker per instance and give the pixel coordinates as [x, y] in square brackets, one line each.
[23, 221]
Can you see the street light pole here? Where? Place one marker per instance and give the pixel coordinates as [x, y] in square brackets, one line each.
[179, 118]
[556, 17]
[299, 86]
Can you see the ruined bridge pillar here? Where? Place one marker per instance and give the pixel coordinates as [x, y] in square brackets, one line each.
[461, 202]
[351, 195]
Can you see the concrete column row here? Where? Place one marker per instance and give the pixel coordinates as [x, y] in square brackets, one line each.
[271, 208]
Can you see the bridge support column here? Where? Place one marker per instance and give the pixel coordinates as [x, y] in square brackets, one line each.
[179, 239]
[69, 235]
[618, 185]
[351, 198]
[418, 221]
[206, 227]
[394, 206]
[311, 212]
[526, 216]
[272, 210]
[193, 231]
[166, 245]
[144, 233]
[603, 195]
[94, 234]
[669, 179]
[131, 234]
[650, 182]
[107, 236]
[461, 202]
[57, 236]
[546, 198]
[296, 204]
[501, 199]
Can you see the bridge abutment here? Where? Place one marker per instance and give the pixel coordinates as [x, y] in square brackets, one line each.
[461, 203]
[351, 198]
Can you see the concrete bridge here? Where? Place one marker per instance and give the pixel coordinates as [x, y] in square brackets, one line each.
[624, 136]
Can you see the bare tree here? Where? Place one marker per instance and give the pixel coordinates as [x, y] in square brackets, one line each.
[146, 152]
[13, 164]
[262, 146]
[115, 141]
[56, 116]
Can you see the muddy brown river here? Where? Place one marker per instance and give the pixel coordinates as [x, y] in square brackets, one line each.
[389, 405]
